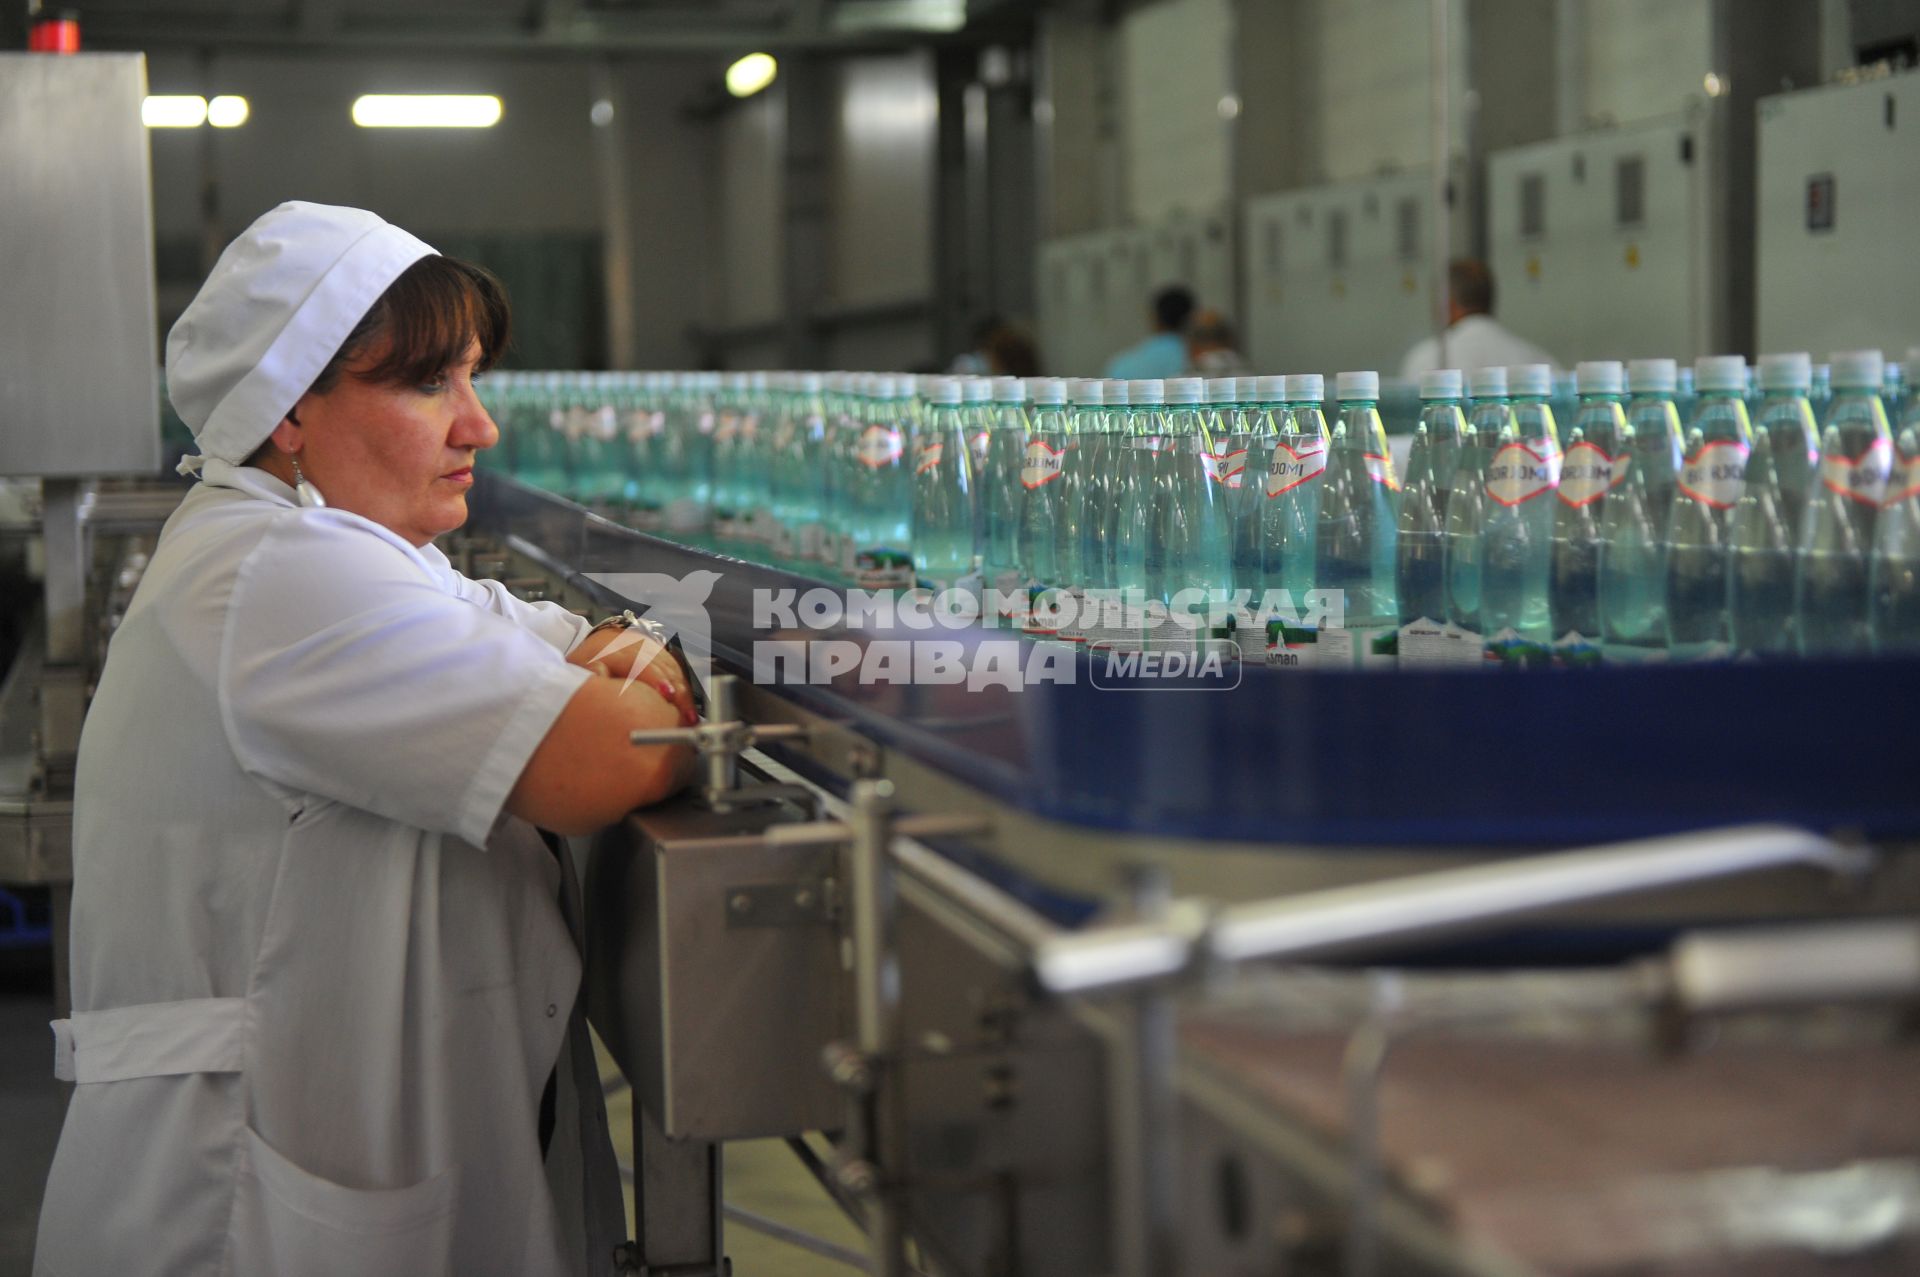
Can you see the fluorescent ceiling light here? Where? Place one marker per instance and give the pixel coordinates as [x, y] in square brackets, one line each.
[173, 112]
[426, 111]
[227, 112]
[751, 74]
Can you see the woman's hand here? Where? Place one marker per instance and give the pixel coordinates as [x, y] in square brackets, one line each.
[634, 655]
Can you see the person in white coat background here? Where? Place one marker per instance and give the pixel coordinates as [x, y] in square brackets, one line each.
[1475, 339]
[325, 968]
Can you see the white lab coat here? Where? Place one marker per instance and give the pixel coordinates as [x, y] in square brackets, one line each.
[1477, 341]
[313, 1019]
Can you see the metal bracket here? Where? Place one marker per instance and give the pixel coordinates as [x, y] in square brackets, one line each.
[779, 904]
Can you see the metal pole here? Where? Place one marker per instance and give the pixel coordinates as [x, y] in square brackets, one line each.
[876, 981]
[1145, 1153]
[1440, 141]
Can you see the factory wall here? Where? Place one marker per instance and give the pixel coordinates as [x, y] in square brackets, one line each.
[529, 183]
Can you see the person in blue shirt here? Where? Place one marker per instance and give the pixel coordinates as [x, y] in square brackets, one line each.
[1164, 354]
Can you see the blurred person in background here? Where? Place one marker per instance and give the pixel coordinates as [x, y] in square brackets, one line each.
[1475, 339]
[1011, 353]
[1164, 353]
[1211, 346]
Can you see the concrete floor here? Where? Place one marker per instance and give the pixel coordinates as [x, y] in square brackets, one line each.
[761, 1175]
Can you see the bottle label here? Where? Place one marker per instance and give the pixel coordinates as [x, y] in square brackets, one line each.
[1427, 643]
[1517, 474]
[1904, 480]
[606, 423]
[927, 454]
[1574, 650]
[1227, 468]
[1864, 480]
[882, 570]
[1588, 474]
[1380, 470]
[1290, 469]
[877, 447]
[706, 423]
[726, 429]
[1042, 464]
[1716, 475]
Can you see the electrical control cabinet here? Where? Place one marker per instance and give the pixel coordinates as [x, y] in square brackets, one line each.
[1600, 245]
[1339, 276]
[1839, 199]
[1096, 289]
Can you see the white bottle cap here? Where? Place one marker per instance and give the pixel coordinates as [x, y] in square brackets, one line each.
[1349, 386]
[1858, 369]
[756, 381]
[1147, 390]
[1270, 389]
[1530, 379]
[1185, 390]
[809, 383]
[1224, 389]
[1721, 372]
[1009, 390]
[1306, 387]
[1599, 377]
[977, 389]
[1791, 371]
[1442, 383]
[1652, 376]
[1487, 383]
[943, 390]
[735, 382]
[1088, 390]
[1118, 390]
[1050, 391]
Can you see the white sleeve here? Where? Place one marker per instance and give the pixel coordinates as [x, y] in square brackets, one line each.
[551, 622]
[347, 671]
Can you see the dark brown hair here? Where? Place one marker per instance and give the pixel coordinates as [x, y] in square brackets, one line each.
[1471, 284]
[430, 314]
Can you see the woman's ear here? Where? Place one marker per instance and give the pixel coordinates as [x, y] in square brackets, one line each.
[288, 436]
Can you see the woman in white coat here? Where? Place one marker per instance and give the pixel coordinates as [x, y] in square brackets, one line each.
[325, 975]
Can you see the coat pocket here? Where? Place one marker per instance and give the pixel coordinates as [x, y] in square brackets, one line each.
[290, 1222]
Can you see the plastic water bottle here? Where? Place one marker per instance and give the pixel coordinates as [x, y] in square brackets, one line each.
[728, 462]
[1856, 458]
[946, 533]
[1002, 492]
[1786, 416]
[1686, 390]
[1096, 437]
[1195, 565]
[1227, 465]
[1290, 511]
[1139, 555]
[1489, 418]
[1354, 535]
[1050, 483]
[1263, 399]
[1595, 463]
[1633, 537]
[1712, 477]
[1442, 445]
[1894, 573]
[1909, 409]
[883, 488]
[1516, 532]
[1760, 561]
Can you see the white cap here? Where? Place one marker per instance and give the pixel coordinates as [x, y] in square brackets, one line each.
[1791, 371]
[1724, 372]
[276, 308]
[1046, 390]
[1224, 389]
[1487, 383]
[809, 383]
[977, 389]
[757, 380]
[1270, 389]
[1600, 377]
[1530, 379]
[1441, 383]
[1118, 391]
[1356, 385]
[1147, 390]
[942, 390]
[1652, 376]
[734, 381]
[1009, 390]
[1858, 369]
[1185, 390]
[1306, 387]
[1087, 390]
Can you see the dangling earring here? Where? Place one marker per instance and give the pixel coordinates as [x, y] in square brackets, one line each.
[309, 495]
